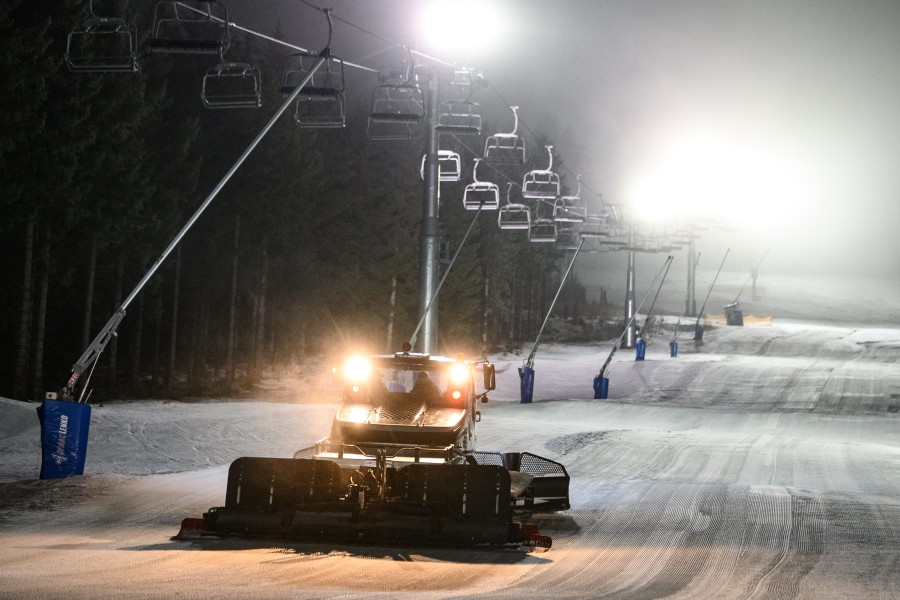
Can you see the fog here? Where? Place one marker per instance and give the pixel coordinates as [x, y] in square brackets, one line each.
[776, 120]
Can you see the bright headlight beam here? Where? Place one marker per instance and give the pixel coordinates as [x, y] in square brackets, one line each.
[458, 373]
[357, 369]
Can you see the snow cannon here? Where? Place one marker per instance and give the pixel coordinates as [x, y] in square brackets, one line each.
[400, 467]
[640, 349]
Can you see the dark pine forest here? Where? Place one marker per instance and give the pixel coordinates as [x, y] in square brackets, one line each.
[309, 251]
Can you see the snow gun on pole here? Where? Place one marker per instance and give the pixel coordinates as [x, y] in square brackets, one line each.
[673, 345]
[655, 296]
[415, 336]
[600, 381]
[752, 273]
[526, 371]
[89, 358]
[698, 330]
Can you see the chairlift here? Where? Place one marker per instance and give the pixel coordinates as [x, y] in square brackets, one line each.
[232, 85]
[190, 27]
[542, 231]
[506, 148]
[541, 183]
[513, 216]
[102, 45]
[449, 168]
[461, 117]
[320, 104]
[570, 209]
[398, 106]
[568, 238]
[464, 80]
[482, 195]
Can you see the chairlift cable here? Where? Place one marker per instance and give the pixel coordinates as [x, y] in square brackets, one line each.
[275, 40]
[381, 37]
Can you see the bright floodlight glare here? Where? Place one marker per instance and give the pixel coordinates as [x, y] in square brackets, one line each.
[460, 27]
[458, 373]
[357, 369]
[732, 182]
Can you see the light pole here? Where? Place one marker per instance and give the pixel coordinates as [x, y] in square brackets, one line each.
[429, 234]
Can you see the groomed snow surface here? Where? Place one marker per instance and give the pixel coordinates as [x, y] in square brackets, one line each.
[764, 463]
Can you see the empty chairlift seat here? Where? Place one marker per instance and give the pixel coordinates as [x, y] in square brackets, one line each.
[321, 102]
[102, 45]
[506, 148]
[461, 115]
[448, 166]
[397, 111]
[542, 231]
[570, 209]
[232, 85]
[541, 183]
[459, 118]
[481, 195]
[190, 27]
[567, 238]
[513, 216]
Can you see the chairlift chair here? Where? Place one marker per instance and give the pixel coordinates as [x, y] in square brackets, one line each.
[460, 117]
[398, 105]
[481, 195]
[541, 183]
[506, 148]
[190, 27]
[232, 85]
[568, 238]
[570, 209]
[321, 103]
[513, 216]
[542, 230]
[464, 80]
[102, 45]
[448, 166]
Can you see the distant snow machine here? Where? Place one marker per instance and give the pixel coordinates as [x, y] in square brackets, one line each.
[400, 467]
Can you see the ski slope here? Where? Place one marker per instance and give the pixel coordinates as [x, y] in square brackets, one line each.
[764, 463]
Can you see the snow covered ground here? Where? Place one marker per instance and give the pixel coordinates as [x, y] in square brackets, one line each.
[764, 463]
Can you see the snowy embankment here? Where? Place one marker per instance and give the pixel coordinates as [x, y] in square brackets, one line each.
[764, 463]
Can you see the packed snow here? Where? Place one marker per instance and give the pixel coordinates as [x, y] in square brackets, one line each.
[762, 463]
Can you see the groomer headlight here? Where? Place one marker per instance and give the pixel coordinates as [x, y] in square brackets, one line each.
[458, 373]
[357, 369]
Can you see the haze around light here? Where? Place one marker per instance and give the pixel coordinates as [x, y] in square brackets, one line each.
[751, 184]
[460, 28]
